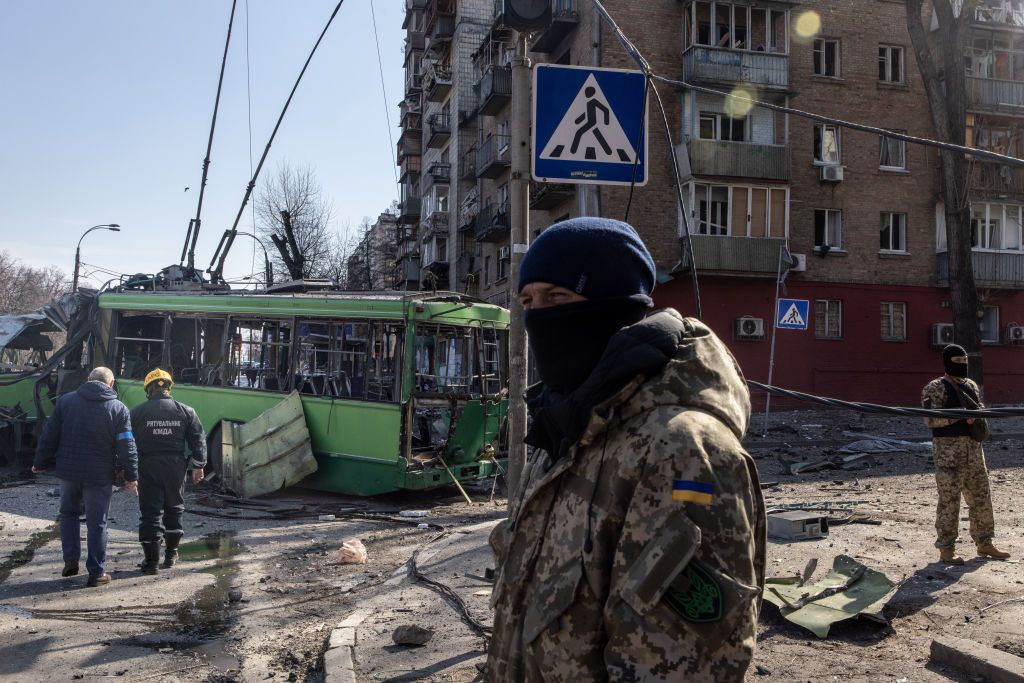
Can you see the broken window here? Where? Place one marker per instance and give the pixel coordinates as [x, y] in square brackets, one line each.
[894, 321]
[826, 144]
[828, 319]
[260, 355]
[349, 359]
[458, 360]
[196, 350]
[828, 229]
[753, 211]
[140, 345]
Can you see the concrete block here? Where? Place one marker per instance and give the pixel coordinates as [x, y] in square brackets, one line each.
[355, 619]
[338, 666]
[343, 637]
[976, 659]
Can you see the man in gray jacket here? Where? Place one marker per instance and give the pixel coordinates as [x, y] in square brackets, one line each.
[89, 433]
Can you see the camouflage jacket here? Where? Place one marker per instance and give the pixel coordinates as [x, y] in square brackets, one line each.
[638, 554]
[934, 396]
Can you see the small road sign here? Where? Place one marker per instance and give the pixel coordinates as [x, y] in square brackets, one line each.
[792, 314]
[587, 125]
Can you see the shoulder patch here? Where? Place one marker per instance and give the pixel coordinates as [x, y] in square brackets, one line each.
[692, 492]
[702, 602]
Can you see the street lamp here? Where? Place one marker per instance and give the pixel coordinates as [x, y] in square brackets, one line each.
[78, 249]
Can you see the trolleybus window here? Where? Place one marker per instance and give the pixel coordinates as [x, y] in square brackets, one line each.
[196, 350]
[260, 354]
[445, 360]
[350, 359]
[140, 345]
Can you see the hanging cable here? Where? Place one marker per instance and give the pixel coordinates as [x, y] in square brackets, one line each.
[636, 151]
[248, 97]
[384, 92]
[228, 238]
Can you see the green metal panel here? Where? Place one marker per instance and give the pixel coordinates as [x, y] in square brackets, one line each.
[19, 393]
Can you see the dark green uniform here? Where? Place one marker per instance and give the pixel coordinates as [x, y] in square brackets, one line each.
[162, 428]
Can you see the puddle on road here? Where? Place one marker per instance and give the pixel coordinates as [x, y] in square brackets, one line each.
[209, 614]
[25, 555]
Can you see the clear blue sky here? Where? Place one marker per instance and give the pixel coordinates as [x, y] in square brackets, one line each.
[106, 110]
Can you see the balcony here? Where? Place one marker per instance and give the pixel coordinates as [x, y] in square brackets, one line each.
[993, 95]
[565, 18]
[410, 144]
[439, 130]
[492, 224]
[492, 159]
[413, 83]
[992, 269]
[464, 266]
[404, 233]
[414, 42]
[723, 66]
[467, 169]
[434, 10]
[991, 180]
[440, 172]
[407, 272]
[409, 169]
[412, 7]
[443, 29]
[727, 255]
[495, 89]
[437, 82]
[545, 196]
[409, 209]
[999, 13]
[738, 159]
[435, 224]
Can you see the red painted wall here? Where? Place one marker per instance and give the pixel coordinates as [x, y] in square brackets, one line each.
[860, 366]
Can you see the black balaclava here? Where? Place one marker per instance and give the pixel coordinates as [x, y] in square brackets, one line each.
[601, 259]
[954, 369]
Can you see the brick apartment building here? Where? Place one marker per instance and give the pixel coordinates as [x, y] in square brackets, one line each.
[371, 263]
[859, 213]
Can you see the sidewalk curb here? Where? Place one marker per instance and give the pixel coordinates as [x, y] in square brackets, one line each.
[338, 664]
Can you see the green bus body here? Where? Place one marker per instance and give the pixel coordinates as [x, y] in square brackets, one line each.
[394, 386]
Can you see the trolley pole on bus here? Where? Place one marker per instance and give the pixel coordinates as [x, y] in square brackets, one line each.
[520, 218]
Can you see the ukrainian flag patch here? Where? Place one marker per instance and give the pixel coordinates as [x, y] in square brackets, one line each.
[692, 492]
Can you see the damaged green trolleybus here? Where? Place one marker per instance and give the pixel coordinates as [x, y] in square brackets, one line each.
[399, 390]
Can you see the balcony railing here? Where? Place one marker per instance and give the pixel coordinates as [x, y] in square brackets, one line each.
[437, 81]
[544, 196]
[407, 271]
[413, 83]
[434, 10]
[492, 223]
[565, 17]
[492, 159]
[495, 89]
[738, 159]
[993, 269]
[720, 65]
[1000, 12]
[412, 120]
[467, 168]
[413, 42]
[440, 172]
[409, 209]
[990, 180]
[439, 130]
[990, 94]
[409, 146]
[750, 256]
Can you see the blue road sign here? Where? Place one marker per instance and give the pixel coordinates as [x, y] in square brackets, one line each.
[792, 314]
[587, 124]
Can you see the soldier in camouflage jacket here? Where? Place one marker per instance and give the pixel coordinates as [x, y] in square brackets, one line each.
[635, 544]
[959, 462]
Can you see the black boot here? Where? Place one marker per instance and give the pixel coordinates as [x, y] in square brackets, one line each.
[152, 552]
[171, 550]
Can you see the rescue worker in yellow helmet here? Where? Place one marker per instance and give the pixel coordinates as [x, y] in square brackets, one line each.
[163, 426]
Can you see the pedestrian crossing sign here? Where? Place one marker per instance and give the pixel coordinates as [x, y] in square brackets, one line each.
[792, 314]
[589, 125]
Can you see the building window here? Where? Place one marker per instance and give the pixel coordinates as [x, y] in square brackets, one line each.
[504, 257]
[828, 319]
[487, 271]
[985, 229]
[893, 232]
[826, 144]
[738, 210]
[713, 209]
[894, 321]
[990, 325]
[722, 127]
[994, 227]
[826, 58]
[892, 153]
[828, 229]
[738, 27]
[890, 64]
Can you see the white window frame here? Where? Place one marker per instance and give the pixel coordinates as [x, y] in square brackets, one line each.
[830, 226]
[823, 52]
[885, 53]
[888, 310]
[692, 194]
[821, 130]
[886, 144]
[895, 246]
[692, 32]
[829, 304]
[717, 121]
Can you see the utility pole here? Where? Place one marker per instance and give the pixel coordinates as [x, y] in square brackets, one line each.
[520, 217]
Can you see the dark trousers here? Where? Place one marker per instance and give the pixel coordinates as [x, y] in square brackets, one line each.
[97, 505]
[161, 496]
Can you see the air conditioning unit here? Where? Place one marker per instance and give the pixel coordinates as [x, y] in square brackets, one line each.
[942, 334]
[1015, 334]
[832, 174]
[504, 253]
[749, 327]
[801, 263]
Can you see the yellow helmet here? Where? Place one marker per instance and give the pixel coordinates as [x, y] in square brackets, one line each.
[157, 376]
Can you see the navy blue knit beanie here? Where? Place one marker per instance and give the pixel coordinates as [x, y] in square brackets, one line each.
[599, 258]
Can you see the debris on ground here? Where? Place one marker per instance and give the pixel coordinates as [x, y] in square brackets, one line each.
[352, 551]
[797, 525]
[412, 513]
[411, 634]
[848, 590]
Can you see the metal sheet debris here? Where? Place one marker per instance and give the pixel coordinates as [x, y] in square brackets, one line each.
[848, 590]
